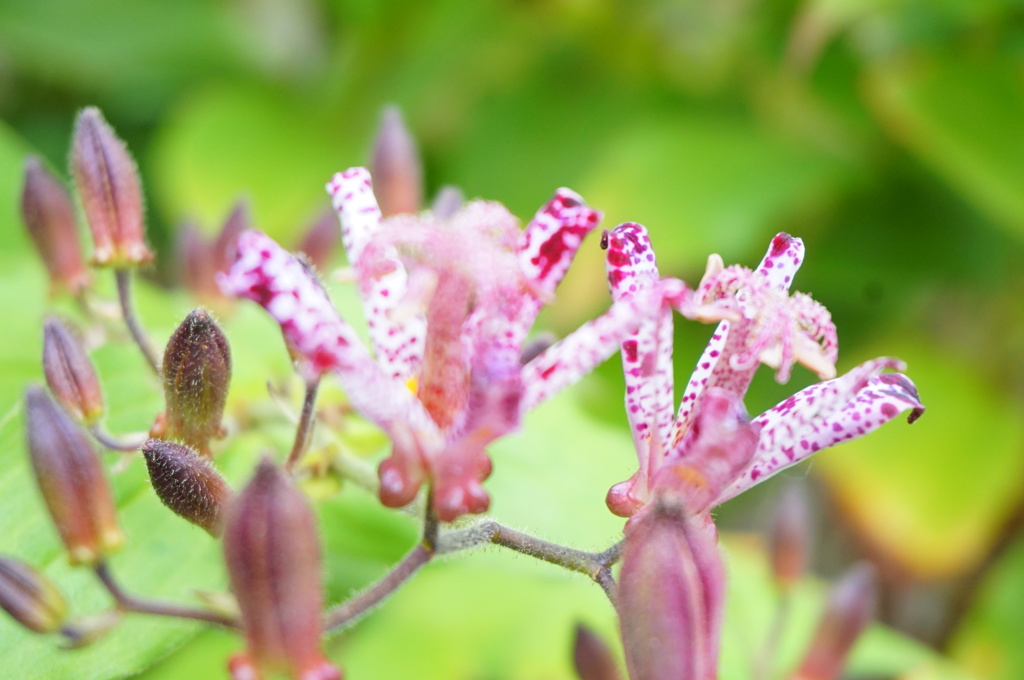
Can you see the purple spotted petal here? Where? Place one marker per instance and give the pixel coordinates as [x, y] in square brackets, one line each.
[568, 360]
[783, 259]
[272, 277]
[825, 414]
[398, 334]
[647, 352]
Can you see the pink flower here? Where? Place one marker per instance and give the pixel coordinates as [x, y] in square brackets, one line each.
[710, 451]
[449, 302]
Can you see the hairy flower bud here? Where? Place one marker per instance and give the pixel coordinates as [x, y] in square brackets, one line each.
[851, 606]
[591, 656]
[196, 373]
[50, 220]
[69, 373]
[30, 598]
[71, 480]
[109, 189]
[397, 170]
[671, 595]
[273, 560]
[187, 484]
[790, 537]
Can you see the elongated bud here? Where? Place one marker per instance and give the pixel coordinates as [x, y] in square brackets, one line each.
[109, 189]
[396, 169]
[448, 201]
[30, 598]
[226, 243]
[69, 373]
[851, 606]
[790, 537]
[196, 373]
[50, 220]
[671, 595]
[273, 559]
[187, 484]
[195, 262]
[71, 480]
[320, 241]
[591, 656]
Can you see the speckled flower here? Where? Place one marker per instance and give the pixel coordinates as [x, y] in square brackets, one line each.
[710, 451]
[449, 301]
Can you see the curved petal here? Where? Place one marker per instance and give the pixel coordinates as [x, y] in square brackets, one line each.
[398, 334]
[825, 414]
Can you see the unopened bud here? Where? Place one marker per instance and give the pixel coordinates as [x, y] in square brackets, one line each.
[851, 606]
[790, 537]
[447, 202]
[671, 595]
[226, 243]
[71, 480]
[273, 560]
[397, 170]
[50, 220]
[591, 656]
[69, 373]
[109, 189]
[30, 598]
[187, 484]
[195, 262]
[320, 241]
[196, 373]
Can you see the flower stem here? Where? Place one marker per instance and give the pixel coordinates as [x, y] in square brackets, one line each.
[595, 565]
[131, 603]
[305, 426]
[347, 612]
[124, 294]
[109, 441]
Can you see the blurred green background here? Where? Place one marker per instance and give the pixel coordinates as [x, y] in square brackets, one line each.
[888, 134]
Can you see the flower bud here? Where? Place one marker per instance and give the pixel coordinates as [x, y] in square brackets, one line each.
[321, 240]
[790, 537]
[108, 187]
[851, 606]
[69, 373]
[591, 656]
[273, 560]
[671, 595]
[71, 480]
[50, 220]
[195, 262]
[30, 598]
[196, 373]
[187, 484]
[397, 170]
[448, 201]
[226, 243]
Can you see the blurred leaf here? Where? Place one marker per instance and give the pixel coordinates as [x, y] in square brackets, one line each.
[962, 118]
[988, 640]
[932, 496]
[224, 143]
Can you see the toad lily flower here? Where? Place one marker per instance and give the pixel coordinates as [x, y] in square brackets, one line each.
[672, 581]
[449, 301]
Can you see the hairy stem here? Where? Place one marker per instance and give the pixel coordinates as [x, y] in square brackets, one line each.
[131, 603]
[305, 425]
[595, 565]
[124, 294]
[347, 612]
[112, 443]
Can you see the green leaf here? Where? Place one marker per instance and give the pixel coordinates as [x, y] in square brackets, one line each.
[961, 117]
[988, 639]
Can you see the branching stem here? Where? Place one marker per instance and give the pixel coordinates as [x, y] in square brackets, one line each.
[124, 294]
[131, 603]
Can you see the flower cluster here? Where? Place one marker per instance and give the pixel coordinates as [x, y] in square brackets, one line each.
[449, 296]
[672, 581]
